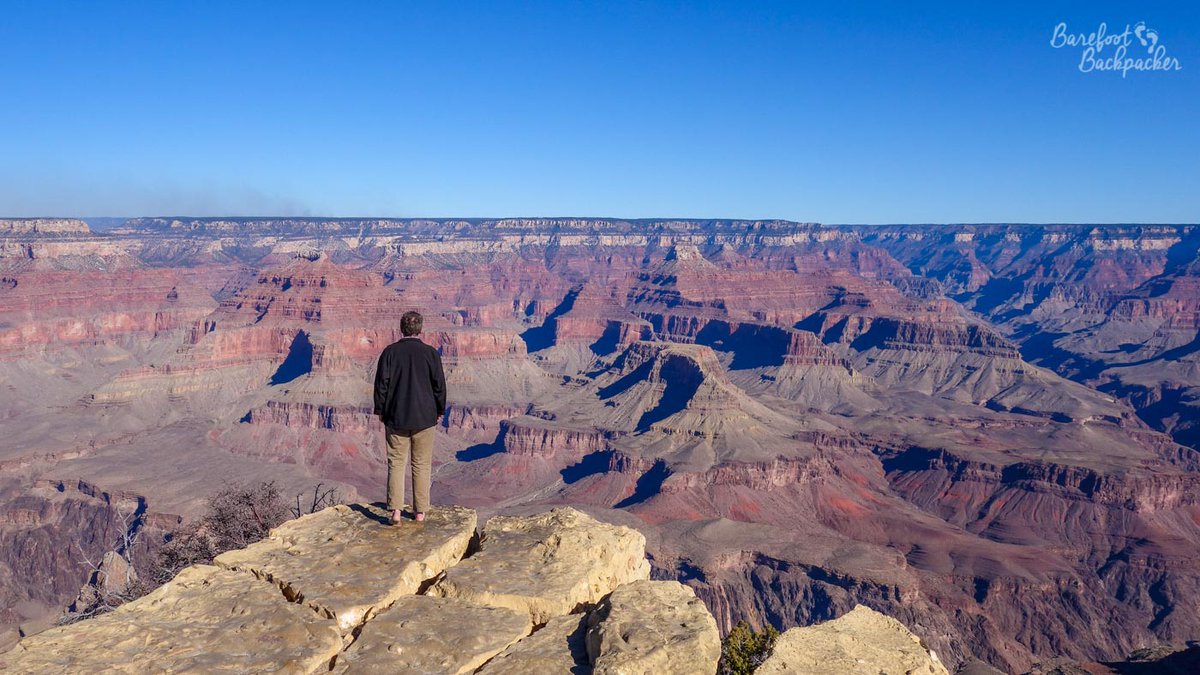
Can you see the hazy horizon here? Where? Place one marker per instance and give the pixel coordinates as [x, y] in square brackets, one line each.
[116, 221]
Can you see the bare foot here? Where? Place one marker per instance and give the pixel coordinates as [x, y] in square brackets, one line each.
[395, 516]
[419, 517]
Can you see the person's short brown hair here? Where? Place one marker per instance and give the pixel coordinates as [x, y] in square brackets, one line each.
[411, 323]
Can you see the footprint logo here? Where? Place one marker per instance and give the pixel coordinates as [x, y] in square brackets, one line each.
[1147, 36]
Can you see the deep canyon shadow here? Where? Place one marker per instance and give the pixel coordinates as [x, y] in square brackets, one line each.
[299, 361]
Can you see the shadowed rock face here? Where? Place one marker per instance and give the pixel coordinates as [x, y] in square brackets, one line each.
[557, 647]
[46, 530]
[974, 429]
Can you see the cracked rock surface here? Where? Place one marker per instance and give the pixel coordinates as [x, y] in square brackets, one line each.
[347, 562]
[206, 620]
[547, 565]
[343, 591]
[656, 627]
[557, 647]
[423, 634]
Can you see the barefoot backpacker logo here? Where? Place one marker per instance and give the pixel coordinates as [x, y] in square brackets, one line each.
[1136, 48]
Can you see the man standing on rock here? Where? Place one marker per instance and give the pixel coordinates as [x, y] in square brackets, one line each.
[410, 398]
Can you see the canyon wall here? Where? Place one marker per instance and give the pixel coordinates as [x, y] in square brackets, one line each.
[984, 431]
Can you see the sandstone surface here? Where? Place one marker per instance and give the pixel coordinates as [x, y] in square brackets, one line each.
[557, 647]
[423, 634]
[653, 627]
[863, 641]
[547, 565]
[205, 620]
[347, 562]
[276, 605]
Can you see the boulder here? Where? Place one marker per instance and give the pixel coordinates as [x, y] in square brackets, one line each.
[862, 641]
[422, 634]
[115, 575]
[205, 620]
[557, 647]
[347, 562]
[657, 627]
[547, 565]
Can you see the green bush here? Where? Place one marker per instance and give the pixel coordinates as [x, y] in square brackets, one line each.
[744, 649]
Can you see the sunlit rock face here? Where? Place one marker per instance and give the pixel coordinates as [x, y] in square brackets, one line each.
[345, 590]
[554, 562]
[987, 432]
[356, 580]
[627, 632]
[205, 619]
[862, 641]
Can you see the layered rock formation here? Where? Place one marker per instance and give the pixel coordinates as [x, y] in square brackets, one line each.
[48, 531]
[43, 226]
[1114, 307]
[976, 429]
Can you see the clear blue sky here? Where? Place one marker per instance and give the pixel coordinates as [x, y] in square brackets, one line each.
[888, 112]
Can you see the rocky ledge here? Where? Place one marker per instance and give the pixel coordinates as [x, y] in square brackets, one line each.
[861, 641]
[343, 591]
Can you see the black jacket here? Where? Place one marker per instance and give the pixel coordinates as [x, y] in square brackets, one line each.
[410, 387]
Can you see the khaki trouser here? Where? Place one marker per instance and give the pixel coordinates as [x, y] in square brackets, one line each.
[401, 445]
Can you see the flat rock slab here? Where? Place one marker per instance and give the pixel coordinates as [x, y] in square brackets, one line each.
[206, 620]
[347, 563]
[861, 641]
[422, 634]
[657, 627]
[557, 647]
[547, 565]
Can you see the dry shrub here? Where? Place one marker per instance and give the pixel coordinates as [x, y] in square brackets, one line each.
[237, 516]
